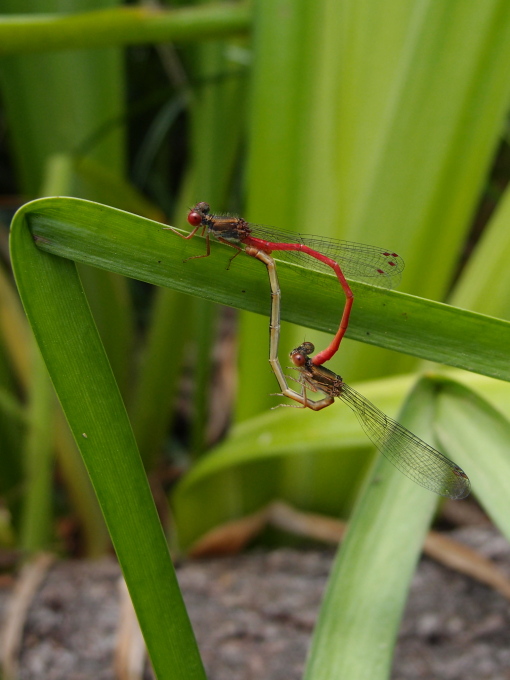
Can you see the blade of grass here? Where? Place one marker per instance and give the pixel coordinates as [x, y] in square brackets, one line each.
[37, 520]
[121, 26]
[136, 247]
[365, 597]
[217, 110]
[56, 102]
[110, 303]
[15, 333]
[282, 71]
[111, 308]
[159, 372]
[19, 342]
[62, 323]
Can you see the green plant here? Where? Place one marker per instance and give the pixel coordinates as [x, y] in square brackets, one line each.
[375, 122]
[47, 236]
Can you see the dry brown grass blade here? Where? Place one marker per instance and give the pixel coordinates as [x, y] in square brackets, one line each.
[233, 536]
[465, 560]
[25, 589]
[130, 650]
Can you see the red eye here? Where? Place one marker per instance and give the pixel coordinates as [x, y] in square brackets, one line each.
[194, 218]
[298, 359]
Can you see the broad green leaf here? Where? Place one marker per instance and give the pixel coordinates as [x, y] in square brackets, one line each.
[385, 136]
[139, 248]
[484, 285]
[56, 103]
[477, 436]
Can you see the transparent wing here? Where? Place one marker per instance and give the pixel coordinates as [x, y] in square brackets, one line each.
[370, 264]
[408, 453]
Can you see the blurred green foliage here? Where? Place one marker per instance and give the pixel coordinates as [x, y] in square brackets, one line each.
[378, 122]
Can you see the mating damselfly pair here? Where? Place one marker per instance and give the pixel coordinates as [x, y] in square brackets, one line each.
[413, 457]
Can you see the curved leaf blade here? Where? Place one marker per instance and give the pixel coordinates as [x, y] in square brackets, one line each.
[140, 248]
[364, 600]
[56, 306]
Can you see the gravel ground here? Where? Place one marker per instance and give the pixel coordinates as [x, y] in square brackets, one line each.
[253, 615]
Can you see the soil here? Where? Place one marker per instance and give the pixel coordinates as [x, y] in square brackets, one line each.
[253, 615]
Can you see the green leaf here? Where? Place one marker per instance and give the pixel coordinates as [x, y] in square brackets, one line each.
[254, 465]
[216, 132]
[362, 607]
[316, 460]
[139, 248]
[477, 437]
[158, 376]
[64, 328]
[333, 451]
[121, 26]
[56, 103]
[37, 520]
[485, 282]
[377, 123]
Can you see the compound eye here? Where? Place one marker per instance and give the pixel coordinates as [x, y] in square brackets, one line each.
[203, 207]
[194, 218]
[298, 359]
[307, 348]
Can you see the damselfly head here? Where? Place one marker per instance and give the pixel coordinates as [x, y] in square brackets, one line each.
[299, 356]
[197, 213]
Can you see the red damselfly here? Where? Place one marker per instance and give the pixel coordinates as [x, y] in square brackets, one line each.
[366, 263]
